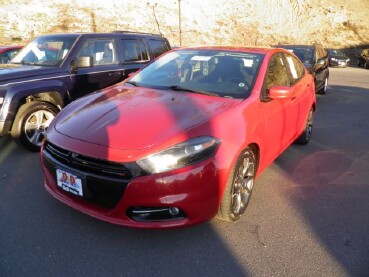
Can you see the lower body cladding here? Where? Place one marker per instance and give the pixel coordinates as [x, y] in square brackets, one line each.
[182, 197]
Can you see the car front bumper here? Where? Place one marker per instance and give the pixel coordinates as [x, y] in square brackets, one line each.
[195, 191]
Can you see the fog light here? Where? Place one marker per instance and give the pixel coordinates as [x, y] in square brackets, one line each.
[155, 213]
[174, 211]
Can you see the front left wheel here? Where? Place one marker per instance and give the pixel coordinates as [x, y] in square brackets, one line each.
[239, 187]
[31, 123]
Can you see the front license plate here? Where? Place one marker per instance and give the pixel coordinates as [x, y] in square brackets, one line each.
[69, 182]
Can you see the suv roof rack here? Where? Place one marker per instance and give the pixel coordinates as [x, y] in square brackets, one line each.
[132, 32]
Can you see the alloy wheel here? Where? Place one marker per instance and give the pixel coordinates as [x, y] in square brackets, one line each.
[36, 126]
[243, 184]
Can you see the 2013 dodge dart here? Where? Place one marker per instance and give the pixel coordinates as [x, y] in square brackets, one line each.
[182, 140]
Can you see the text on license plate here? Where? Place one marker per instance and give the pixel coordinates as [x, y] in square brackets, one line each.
[69, 182]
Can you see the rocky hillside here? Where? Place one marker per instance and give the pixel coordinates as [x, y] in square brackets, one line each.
[339, 23]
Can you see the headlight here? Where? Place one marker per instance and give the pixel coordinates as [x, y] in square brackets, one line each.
[180, 155]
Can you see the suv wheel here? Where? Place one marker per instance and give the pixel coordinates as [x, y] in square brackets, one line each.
[31, 123]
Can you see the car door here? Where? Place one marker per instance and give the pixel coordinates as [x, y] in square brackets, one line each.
[104, 71]
[320, 66]
[280, 115]
[302, 91]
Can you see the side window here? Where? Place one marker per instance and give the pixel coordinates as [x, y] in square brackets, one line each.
[102, 51]
[276, 74]
[134, 50]
[7, 56]
[295, 68]
[158, 47]
[12, 53]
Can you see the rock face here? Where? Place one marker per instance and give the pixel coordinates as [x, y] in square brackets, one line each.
[339, 23]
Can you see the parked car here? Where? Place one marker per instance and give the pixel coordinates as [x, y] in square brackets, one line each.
[8, 52]
[337, 58]
[363, 59]
[182, 140]
[315, 59]
[54, 70]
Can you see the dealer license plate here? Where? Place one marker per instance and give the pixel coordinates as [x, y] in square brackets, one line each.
[69, 182]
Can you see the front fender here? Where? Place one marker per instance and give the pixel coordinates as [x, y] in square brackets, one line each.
[16, 93]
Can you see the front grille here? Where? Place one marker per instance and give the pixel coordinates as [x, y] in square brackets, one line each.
[87, 164]
[104, 181]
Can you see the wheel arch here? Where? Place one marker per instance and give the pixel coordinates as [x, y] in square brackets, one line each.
[53, 92]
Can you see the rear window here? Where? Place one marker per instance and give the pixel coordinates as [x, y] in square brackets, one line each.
[134, 50]
[158, 47]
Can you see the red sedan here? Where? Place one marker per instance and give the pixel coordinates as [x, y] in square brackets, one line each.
[181, 141]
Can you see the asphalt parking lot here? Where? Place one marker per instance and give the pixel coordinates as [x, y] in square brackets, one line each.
[308, 215]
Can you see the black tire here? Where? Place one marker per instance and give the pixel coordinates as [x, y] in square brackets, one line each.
[366, 65]
[305, 136]
[323, 90]
[239, 187]
[31, 123]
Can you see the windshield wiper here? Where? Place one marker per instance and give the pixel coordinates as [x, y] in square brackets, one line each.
[180, 88]
[133, 83]
[27, 63]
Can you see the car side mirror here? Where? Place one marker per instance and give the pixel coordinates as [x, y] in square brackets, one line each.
[82, 62]
[281, 93]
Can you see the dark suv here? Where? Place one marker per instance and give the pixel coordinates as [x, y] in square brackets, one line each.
[315, 59]
[54, 70]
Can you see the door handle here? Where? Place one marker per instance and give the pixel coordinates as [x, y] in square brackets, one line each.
[113, 74]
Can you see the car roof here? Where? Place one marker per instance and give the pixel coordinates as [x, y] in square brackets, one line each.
[294, 45]
[11, 47]
[115, 33]
[257, 50]
[6, 48]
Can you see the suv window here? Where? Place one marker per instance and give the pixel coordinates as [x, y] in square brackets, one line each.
[103, 52]
[134, 50]
[276, 74]
[296, 69]
[158, 47]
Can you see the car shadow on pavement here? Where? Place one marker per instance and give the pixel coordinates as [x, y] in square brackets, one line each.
[329, 177]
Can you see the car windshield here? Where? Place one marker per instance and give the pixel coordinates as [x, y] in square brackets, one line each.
[336, 53]
[305, 54]
[45, 51]
[213, 72]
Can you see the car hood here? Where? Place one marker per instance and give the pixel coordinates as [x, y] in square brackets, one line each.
[11, 72]
[137, 118]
